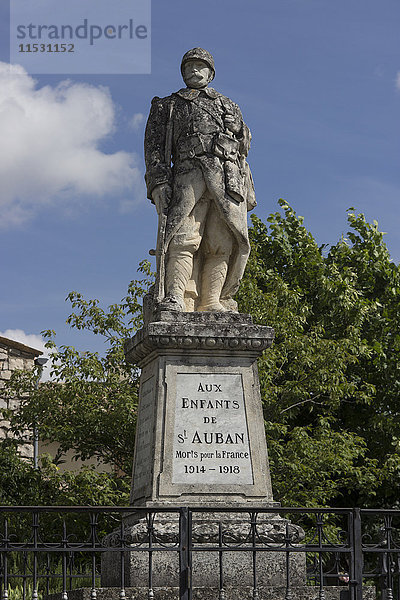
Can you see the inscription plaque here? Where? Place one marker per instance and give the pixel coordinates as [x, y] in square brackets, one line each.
[211, 441]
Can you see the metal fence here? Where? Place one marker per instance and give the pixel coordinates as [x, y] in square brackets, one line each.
[328, 553]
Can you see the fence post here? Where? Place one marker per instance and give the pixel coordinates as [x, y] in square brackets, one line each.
[185, 587]
[4, 564]
[357, 575]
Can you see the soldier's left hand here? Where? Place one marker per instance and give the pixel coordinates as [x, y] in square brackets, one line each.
[231, 123]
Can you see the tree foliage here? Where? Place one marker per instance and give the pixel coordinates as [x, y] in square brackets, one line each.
[89, 407]
[21, 484]
[329, 383]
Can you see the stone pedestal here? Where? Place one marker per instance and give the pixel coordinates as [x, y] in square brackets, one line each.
[242, 592]
[209, 531]
[200, 433]
[200, 441]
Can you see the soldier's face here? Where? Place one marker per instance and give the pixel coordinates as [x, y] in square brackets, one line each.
[196, 74]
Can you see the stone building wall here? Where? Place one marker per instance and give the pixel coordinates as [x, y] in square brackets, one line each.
[13, 356]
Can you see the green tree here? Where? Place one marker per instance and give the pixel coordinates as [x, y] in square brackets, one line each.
[329, 383]
[21, 484]
[89, 407]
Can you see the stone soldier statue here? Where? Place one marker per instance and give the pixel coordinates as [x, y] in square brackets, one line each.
[196, 144]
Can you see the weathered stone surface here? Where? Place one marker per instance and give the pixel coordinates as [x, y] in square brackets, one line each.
[200, 440]
[14, 355]
[235, 529]
[200, 434]
[202, 202]
[237, 568]
[187, 332]
[16, 363]
[13, 403]
[206, 593]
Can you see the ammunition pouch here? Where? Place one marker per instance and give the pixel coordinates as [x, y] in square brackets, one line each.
[226, 147]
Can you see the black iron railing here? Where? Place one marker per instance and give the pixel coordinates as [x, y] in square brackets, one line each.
[347, 552]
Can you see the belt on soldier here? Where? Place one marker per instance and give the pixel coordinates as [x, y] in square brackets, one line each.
[195, 145]
[221, 144]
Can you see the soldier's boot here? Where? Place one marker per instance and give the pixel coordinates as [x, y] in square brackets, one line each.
[213, 278]
[178, 272]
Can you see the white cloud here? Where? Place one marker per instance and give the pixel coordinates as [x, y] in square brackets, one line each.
[32, 340]
[398, 80]
[49, 145]
[136, 121]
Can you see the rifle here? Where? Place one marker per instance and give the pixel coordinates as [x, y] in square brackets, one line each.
[159, 287]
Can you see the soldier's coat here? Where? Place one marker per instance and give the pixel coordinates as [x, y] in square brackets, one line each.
[172, 122]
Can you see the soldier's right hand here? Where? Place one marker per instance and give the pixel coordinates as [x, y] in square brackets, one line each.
[161, 196]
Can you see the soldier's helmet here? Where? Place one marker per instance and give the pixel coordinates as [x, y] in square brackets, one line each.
[199, 54]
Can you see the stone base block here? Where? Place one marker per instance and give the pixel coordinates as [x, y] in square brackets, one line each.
[230, 593]
[226, 530]
[237, 569]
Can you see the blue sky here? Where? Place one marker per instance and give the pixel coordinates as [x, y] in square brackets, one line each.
[318, 84]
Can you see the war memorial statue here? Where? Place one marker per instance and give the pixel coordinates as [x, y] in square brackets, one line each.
[200, 437]
[196, 144]
[200, 433]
